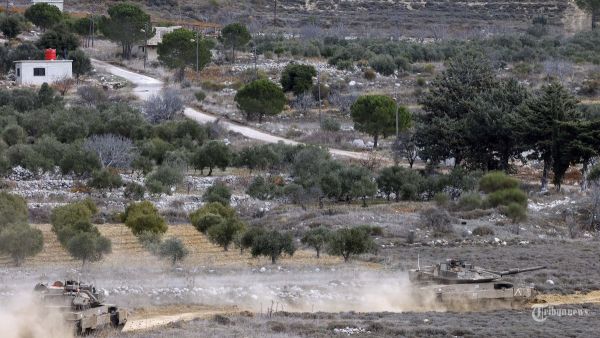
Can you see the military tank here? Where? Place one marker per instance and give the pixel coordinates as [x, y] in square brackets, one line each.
[81, 304]
[457, 283]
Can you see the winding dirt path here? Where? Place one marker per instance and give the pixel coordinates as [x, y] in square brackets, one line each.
[146, 86]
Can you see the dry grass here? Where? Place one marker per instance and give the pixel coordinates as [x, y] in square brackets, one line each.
[126, 248]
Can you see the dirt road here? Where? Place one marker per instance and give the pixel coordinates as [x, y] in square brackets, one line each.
[146, 86]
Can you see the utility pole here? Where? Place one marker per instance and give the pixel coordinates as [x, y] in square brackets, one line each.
[319, 90]
[145, 44]
[397, 111]
[197, 45]
[275, 14]
[93, 29]
[255, 62]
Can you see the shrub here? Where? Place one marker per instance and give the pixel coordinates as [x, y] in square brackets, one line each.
[143, 217]
[14, 134]
[441, 199]
[262, 188]
[211, 214]
[200, 95]
[105, 179]
[350, 241]
[383, 64]
[437, 220]
[507, 196]
[495, 181]
[483, 231]
[218, 192]
[13, 210]
[25, 156]
[79, 161]
[369, 74]
[297, 78]
[134, 191]
[163, 179]
[515, 211]
[421, 82]
[273, 244]
[402, 63]
[173, 249]
[20, 241]
[163, 107]
[468, 202]
[330, 124]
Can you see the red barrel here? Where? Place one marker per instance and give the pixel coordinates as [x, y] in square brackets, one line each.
[50, 54]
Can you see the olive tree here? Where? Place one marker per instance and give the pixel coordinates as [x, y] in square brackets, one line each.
[273, 244]
[317, 238]
[143, 217]
[13, 210]
[88, 247]
[173, 249]
[20, 241]
[351, 241]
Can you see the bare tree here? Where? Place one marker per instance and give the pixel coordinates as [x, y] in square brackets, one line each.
[304, 103]
[163, 107]
[113, 150]
[405, 147]
[342, 102]
[63, 85]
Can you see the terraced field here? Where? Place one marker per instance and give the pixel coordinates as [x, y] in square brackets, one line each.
[126, 250]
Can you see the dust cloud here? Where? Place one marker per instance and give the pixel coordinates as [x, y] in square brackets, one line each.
[22, 316]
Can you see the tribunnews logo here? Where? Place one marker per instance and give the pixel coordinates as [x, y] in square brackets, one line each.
[541, 312]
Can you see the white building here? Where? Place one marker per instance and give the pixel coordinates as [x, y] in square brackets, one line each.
[154, 41]
[36, 72]
[57, 3]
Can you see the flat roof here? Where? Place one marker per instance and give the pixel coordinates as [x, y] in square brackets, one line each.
[43, 61]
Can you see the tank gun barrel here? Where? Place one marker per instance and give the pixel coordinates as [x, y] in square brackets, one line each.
[516, 271]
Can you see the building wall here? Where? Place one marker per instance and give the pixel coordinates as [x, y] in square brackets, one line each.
[57, 3]
[54, 71]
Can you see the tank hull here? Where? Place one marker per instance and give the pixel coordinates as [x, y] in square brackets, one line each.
[474, 295]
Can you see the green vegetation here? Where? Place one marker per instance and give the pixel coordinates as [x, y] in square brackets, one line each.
[126, 24]
[297, 78]
[218, 192]
[219, 222]
[13, 210]
[375, 115]
[351, 241]
[235, 36]
[143, 217]
[173, 249]
[73, 227]
[179, 49]
[43, 15]
[317, 238]
[259, 98]
[273, 244]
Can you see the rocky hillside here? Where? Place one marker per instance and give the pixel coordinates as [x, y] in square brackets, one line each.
[419, 18]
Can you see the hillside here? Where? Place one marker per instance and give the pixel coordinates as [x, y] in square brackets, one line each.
[437, 18]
